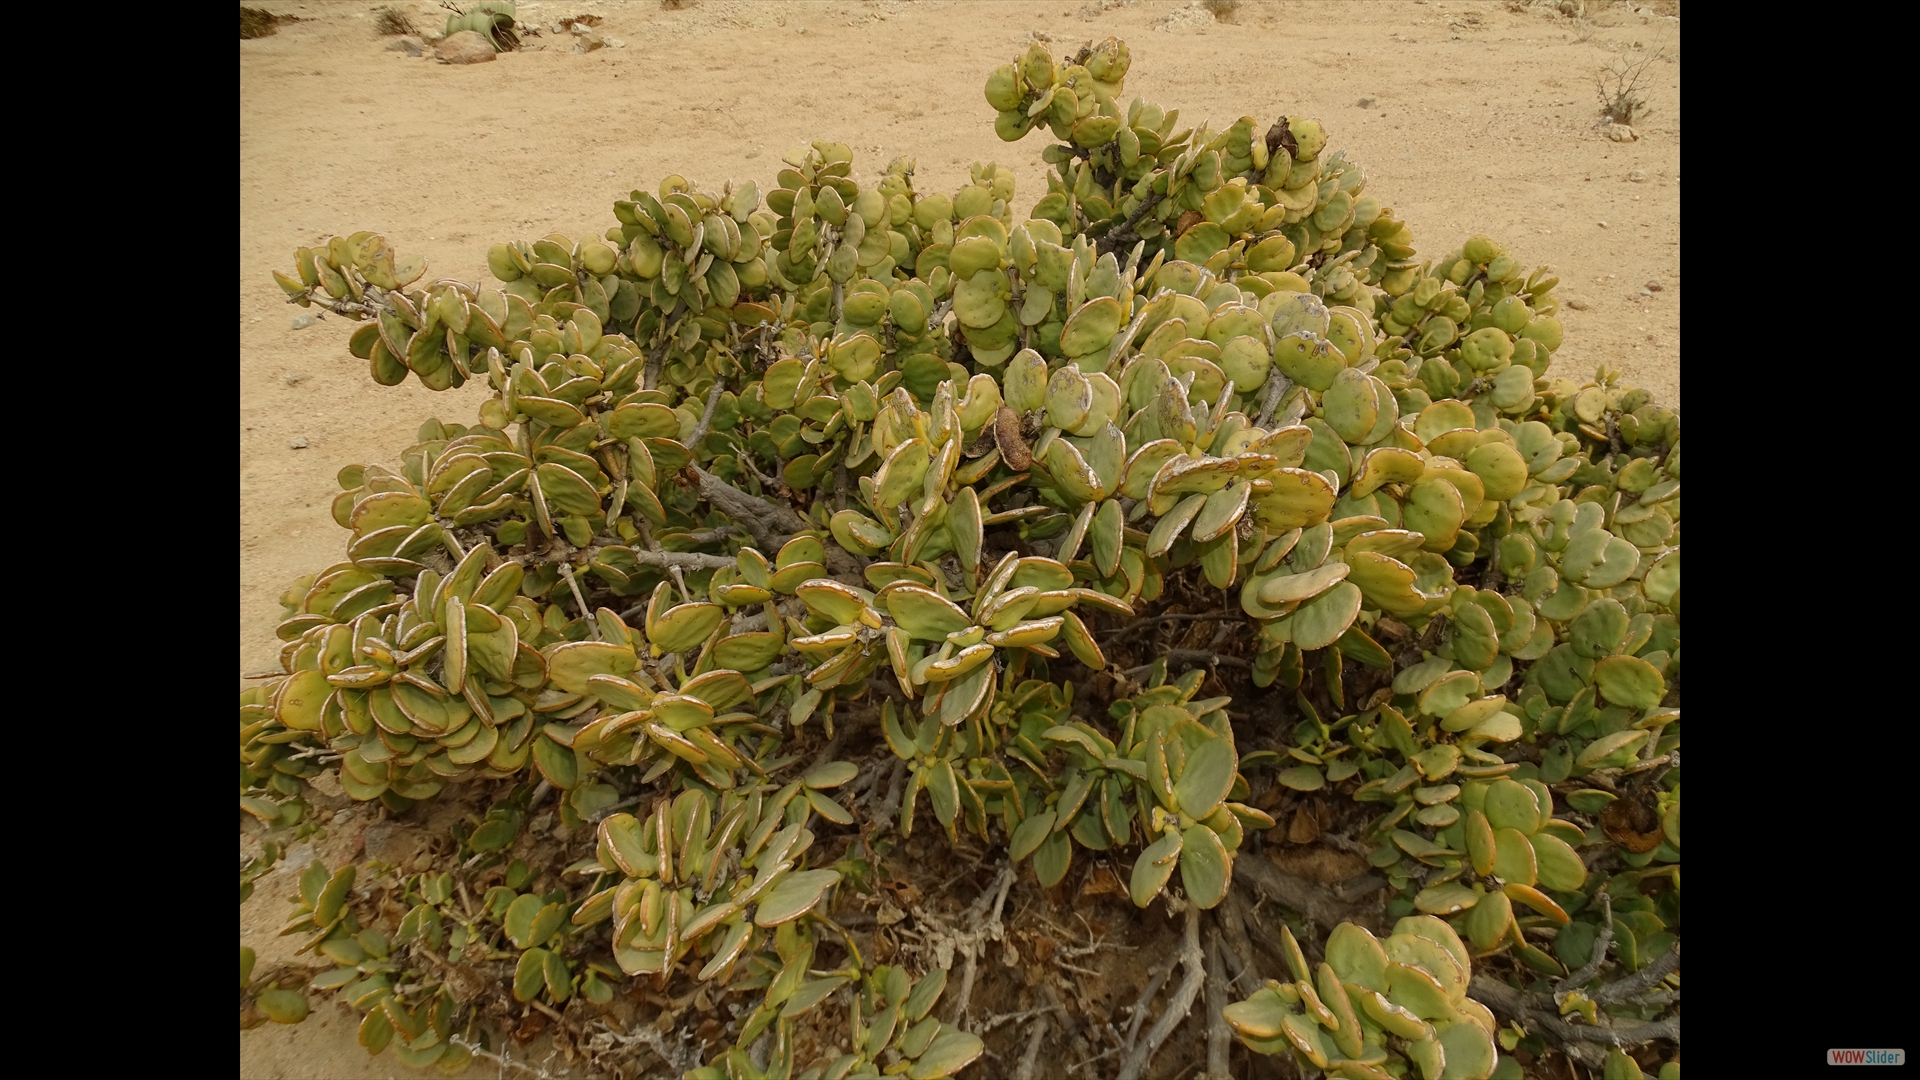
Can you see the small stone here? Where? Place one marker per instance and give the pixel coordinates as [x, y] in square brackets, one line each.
[295, 378]
[409, 44]
[1637, 176]
[1621, 133]
[465, 47]
[1366, 103]
[1653, 286]
[301, 322]
[1577, 304]
[1603, 224]
[298, 444]
[616, 43]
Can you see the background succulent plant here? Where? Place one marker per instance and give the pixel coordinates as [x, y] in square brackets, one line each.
[895, 460]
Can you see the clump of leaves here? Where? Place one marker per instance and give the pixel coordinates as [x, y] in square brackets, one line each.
[903, 459]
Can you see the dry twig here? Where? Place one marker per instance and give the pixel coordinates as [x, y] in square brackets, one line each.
[1219, 1035]
[1136, 1060]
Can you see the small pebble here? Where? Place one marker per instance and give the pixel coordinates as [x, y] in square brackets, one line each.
[301, 322]
[1366, 102]
[1577, 305]
[1653, 286]
[298, 444]
[1603, 224]
[1637, 176]
[295, 378]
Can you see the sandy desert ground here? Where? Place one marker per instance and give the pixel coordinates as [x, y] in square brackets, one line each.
[1468, 117]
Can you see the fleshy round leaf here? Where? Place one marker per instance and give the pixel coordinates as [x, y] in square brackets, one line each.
[1207, 778]
[949, 1052]
[1153, 869]
[1206, 868]
[282, 1006]
[1629, 681]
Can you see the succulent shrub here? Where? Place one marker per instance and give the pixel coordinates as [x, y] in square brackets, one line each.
[892, 458]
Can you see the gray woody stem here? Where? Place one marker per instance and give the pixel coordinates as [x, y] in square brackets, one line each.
[1177, 1009]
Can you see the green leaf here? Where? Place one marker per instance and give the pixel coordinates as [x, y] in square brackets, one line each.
[925, 614]
[794, 896]
[811, 993]
[327, 905]
[1418, 992]
[1511, 805]
[1334, 996]
[1153, 869]
[683, 626]
[1357, 956]
[531, 976]
[554, 970]
[1621, 1067]
[1559, 867]
[944, 791]
[1207, 778]
[519, 920]
[570, 665]
[1206, 868]
[1051, 860]
[1614, 749]
[949, 1052]
[1302, 778]
[1445, 899]
[545, 922]
[282, 1006]
[831, 775]
[1259, 1016]
[312, 881]
[1487, 924]
[925, 993]
[1029, 834]
[1629, 681]
[825, 806]
[1468, 1047]
[1321, 621]
[1513, 858]
[558, 764]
